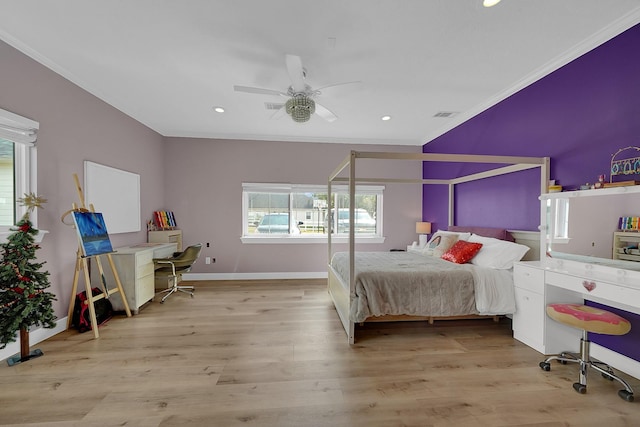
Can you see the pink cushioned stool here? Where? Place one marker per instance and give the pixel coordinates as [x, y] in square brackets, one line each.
[589, 319]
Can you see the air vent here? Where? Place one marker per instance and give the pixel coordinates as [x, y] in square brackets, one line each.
[445, 114]
[273, 105]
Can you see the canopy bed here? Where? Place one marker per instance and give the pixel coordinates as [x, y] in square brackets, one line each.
[392, 286]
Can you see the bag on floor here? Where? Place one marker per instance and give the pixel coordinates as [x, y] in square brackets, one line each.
[81, 319]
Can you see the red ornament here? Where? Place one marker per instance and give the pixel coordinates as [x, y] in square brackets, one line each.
[25, 227]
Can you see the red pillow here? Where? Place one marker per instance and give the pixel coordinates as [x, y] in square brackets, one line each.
[462, 252]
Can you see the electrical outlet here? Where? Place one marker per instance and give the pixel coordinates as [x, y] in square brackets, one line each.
[213, 260]
[207, 260]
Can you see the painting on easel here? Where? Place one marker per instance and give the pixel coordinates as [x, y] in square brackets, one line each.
[92, 232]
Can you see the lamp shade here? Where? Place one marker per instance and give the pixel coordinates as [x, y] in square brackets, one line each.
[423, 227]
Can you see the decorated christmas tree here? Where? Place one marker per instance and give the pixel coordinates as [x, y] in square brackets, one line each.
[24, 301]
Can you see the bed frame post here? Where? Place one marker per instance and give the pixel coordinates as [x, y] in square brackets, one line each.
[352, 240]
[452, 193]
[329, 223]
[545, 175]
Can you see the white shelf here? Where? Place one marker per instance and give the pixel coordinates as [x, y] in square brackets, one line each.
[622, 239]
[589, 193]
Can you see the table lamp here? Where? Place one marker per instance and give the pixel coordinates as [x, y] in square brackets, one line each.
[423, 229]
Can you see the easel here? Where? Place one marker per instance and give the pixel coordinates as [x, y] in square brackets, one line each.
[82, 266]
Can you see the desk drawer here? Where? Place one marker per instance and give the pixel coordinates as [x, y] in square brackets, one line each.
[595, 288]
[529, 278]
[144, 270]
[145, 257]
[145, 290]
[528, 320]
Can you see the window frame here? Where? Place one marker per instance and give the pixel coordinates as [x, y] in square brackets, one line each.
[291, 189]
[558, 214]
[22, 132]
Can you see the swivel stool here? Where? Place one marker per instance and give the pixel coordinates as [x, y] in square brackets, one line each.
[588, 319]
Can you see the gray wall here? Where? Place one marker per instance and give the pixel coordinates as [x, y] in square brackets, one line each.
[204, 190]
[75, 126]
[199, 179]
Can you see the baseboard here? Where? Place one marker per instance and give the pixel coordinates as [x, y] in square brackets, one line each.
[255, 276]
[35, 336]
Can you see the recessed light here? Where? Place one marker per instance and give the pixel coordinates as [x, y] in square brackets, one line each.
[489, 3]
[218, 109]
[385, 118]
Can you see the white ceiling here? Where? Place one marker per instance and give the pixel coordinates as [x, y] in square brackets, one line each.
[167, 63]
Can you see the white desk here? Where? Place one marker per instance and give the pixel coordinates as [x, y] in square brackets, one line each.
[134, 265]
[538, 284]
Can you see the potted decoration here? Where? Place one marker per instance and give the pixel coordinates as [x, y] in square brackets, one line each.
[24, 301]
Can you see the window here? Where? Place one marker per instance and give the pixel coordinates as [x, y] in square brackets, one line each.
[558, 220]
[288, 211]
[7, 184]
[17, 167]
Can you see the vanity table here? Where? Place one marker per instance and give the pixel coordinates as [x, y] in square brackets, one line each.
[578, 270]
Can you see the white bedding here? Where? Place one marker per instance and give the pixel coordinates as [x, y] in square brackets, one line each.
[494, 290]
[414, 284]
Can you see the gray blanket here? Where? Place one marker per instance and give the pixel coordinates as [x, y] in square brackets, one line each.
[405, 283]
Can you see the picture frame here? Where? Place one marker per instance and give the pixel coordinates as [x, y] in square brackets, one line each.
[92, 233]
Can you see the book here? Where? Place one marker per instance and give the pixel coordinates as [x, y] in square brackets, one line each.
[164, 220]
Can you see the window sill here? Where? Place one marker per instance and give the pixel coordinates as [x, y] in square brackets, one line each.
[308, 240]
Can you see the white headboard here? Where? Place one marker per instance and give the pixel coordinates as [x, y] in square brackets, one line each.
[531, 239]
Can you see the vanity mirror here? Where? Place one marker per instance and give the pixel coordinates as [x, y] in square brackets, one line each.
[580, 225]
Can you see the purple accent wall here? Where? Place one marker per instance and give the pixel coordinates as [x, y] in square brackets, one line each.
[623, 344]
[578, 115]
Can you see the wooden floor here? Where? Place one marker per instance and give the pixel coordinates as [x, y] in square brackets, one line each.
[273, 353]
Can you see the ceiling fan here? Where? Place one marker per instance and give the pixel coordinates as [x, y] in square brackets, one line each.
[301, 103]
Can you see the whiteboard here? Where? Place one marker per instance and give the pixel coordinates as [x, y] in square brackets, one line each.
[115, 193]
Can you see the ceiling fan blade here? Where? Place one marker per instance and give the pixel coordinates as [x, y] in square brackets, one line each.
[338, 84]
[278, 113]
[325, 113]
[261, 91]
[296, 73]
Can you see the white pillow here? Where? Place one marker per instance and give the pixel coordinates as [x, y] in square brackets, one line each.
[498, 254]
[461, 236]
[439, 244]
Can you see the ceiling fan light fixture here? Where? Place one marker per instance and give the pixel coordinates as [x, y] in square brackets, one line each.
[300, 107]
[490, 3]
